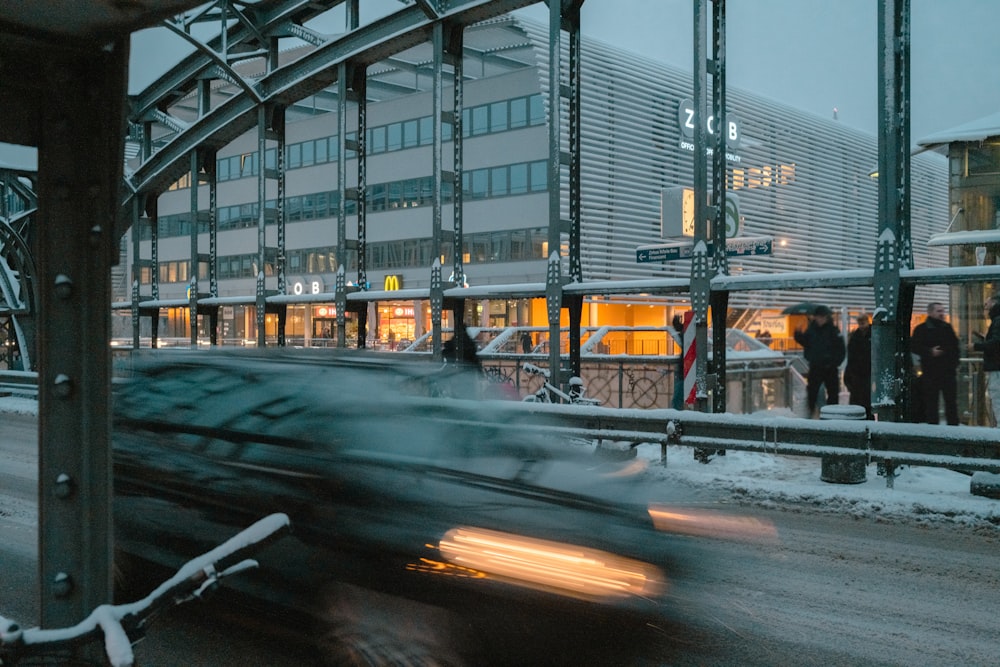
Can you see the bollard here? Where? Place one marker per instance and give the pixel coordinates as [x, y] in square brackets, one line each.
[986, 484]
[843, 468]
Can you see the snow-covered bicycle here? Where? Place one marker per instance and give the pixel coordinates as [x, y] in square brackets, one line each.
[122, 625]
[549, 393]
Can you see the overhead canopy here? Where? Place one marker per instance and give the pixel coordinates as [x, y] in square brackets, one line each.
[976, 130]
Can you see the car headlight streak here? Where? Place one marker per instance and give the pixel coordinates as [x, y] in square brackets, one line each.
[557, 567]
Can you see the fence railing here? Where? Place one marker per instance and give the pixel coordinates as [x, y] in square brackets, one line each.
[19, 383]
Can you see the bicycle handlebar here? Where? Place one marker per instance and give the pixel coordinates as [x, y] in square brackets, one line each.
[532, 369]
[119, 622]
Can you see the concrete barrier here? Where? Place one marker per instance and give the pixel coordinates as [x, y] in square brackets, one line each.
[843, 468]
[985, 484]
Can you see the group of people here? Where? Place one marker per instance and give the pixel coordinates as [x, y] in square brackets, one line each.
[934, 341]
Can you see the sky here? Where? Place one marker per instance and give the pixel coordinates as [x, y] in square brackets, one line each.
[923, 495]
[818, 55]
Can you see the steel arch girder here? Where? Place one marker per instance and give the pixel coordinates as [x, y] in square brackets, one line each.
[371, 43]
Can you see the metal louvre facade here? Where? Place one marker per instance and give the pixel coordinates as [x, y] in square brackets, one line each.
[803, 179]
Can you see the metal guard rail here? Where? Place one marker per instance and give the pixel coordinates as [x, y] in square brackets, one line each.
[967, 448]
[19, 383]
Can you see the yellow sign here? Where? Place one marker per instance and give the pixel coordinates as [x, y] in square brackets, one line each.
[392, 283]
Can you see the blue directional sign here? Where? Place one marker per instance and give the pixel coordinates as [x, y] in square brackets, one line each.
[741, 246]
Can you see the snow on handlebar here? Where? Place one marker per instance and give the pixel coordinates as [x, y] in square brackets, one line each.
[534, 370]
[190, 581]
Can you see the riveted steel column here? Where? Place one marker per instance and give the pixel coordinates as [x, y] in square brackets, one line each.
[137, 222]
[574, 305]
[893, 307]
[260, 301]
[192, 293]
[359, 93]
[453, 52]
[553, 280]
[81, 143]
[437, 147]
[210, 165]
[700, 277]
[719, 302]
[341, 285]
[153, 211]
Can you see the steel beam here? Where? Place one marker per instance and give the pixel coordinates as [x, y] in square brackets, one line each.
[81, 133]
[891, 321]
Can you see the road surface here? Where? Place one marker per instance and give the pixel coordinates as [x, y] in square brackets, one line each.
[827, 590]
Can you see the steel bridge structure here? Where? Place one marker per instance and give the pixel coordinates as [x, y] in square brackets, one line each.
[60, 228]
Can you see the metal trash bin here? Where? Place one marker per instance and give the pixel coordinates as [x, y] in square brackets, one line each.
[843, 468]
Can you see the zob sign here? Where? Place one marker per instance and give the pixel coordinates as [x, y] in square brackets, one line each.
[686, 120]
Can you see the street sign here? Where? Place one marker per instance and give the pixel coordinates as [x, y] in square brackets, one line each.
[741, 246]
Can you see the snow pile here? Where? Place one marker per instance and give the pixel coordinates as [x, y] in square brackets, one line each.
[921, 494]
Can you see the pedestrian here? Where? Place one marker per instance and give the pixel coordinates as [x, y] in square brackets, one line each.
[823, 348]
[526, 342]
[858, 373]
[990, 347]
[677, 403]
[936, 343]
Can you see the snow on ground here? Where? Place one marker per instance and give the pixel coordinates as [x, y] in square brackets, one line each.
[925, 495]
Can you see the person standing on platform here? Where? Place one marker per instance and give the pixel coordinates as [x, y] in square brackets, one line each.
[823, 348]
[990, 347]
[936, 343]
[858, 373]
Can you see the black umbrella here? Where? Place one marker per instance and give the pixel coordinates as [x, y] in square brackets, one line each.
[804, 308]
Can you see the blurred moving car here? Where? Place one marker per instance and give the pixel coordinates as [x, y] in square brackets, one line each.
[425, 530]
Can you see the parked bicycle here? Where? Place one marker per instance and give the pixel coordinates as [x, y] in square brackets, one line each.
[122, 625]
[549, 393]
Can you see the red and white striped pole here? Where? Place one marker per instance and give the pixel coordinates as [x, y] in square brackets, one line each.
[690, 354]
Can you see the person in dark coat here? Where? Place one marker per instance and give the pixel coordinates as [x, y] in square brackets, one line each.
[858, 373]
[936, 343]
[990, 347]
[824, 350]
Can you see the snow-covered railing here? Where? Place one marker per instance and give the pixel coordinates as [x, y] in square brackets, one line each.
[121, 625]
[968, 448]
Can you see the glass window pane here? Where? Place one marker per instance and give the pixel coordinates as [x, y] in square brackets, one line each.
[377, 140]
[395, 194]
[498, 116]
[519, 245]
[321, 151]
[294, 156]
[447, 130]
[480, 120]
[537, 105]
[376, 197]
[308, 154]
[410, 134]
[518, 179]
[426, 131]
[480, 184]
[411, 192]
[466, 122]
[498, 182]
[539, 175]
[222, 170]
[519, 112]
[394, 140]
